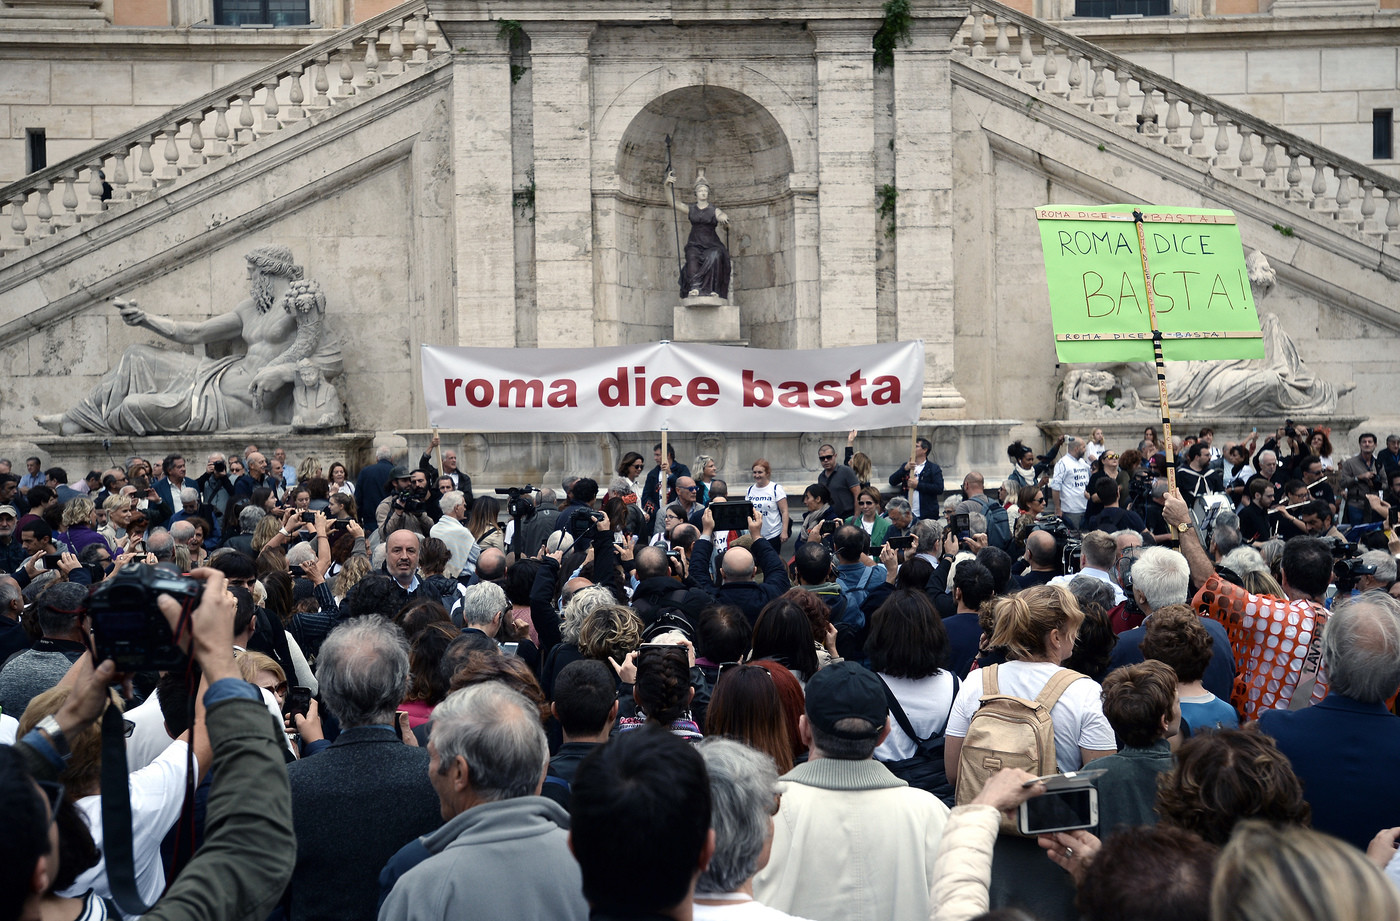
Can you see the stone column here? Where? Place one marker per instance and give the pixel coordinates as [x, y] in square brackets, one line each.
[846, 165]
[482, 202]
[563, 198]
[924, 222]
[806, 260]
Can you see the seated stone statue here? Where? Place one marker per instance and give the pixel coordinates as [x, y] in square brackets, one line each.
[153, 390]
[316, 402]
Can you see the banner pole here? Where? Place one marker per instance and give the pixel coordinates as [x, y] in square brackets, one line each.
[663, 489]
[439, 452]
[1157, 353]
[911, 481]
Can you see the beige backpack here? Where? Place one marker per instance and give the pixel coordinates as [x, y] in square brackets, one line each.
[1009, 731]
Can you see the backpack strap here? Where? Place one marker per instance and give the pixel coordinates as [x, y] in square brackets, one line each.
[990, 688]
[864, 579]
[902, 718]
[1056, 686]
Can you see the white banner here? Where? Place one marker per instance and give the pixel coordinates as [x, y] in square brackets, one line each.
[676, 386]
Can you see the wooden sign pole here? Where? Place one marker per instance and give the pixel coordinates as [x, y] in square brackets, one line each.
[1157, 354]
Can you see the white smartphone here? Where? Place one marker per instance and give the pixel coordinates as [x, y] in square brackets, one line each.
[1070, 801]
[510, 649]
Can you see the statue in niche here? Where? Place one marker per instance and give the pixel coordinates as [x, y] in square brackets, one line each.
[706, 270]
[1090, 394]
[1279, 384]
[154, 390]
[315, 400]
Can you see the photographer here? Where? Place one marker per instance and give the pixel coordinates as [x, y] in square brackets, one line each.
[406, 507]
[249, 849]
[216, 486]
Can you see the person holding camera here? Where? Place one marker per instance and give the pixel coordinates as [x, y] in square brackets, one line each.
[406, 507]
[249, 849]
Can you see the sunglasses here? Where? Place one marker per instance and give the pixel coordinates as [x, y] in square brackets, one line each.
[826, 457]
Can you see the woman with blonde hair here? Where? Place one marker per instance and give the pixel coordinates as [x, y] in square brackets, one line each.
[1274, 873]
[351, 572]
[705, 472]
[609, 631]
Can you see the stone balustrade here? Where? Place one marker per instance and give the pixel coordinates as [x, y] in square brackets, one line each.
[134, 166]
[1161, 111]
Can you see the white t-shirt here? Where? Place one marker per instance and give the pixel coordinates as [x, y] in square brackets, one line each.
[1077, 715]
[765, 501]
[1070, 479]
[9, 729]
[741, 909]
[157, 794]
[148, 737]
[914, 493]
[926, 701]
[1093, 451]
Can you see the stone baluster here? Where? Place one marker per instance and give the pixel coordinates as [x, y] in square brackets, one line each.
[43, 211]
[347, 73]
[320, 83]
[1271, 179]
[271, 124]
[1294, 177]
[420, 38]
[979, 35]
[219, 146]
[1100, 91]
[1053, 84]
[95, 185]
[1198, 148]
[1123, 101]
[296, 96]
[18, 237]
[121, 191]
[169, 169]
[1392, 215]
[1003, 47]
[145, 168]
[1368, 222]
[1223, 159]
[69, 217]
[1344, 210]
[1076, 79]
[1247, 170]
[245, 135]
[1026, 58]
[1147, 116]
[372, 58]
[1174, 138]
[395, 66]
[1319, 187]
[194, 146]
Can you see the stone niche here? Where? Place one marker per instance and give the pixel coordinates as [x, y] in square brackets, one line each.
[748, 161]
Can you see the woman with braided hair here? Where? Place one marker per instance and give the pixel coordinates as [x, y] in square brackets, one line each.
[154, 390]
[663, 692]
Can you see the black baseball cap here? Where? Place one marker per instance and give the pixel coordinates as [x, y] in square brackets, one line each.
[845, 690]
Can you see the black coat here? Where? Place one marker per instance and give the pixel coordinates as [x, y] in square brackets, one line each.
[353, 806]
[371, 486]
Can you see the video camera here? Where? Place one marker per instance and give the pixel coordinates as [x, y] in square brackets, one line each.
[518, 504]
[582, 524]
[127, 624]
[1067, 542]
[1347, 567]
[409, 500]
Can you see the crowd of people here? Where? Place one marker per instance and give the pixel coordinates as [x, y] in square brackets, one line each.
[623, 700]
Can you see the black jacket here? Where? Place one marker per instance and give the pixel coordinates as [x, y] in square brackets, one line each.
[750, 597]
[353, 806]
[664, 590]
[371, 486]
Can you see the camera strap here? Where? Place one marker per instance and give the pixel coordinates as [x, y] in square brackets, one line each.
[117, 849]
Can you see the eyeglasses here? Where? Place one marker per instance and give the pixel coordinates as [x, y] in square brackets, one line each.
[1110, 456]
[826, 457]
[128, 727]
[866, 504]
[687, 488]
[53, 792]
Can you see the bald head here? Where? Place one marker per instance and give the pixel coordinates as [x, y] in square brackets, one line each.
[651, 562]
[738, 565]
[491, 565]
[1040, 550]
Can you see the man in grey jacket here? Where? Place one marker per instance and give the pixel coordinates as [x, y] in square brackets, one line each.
[488, 758]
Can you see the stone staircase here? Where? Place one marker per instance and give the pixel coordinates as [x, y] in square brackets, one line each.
[54, 216]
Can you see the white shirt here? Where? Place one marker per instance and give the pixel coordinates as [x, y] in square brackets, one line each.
[149, 738]
[914, 493]
[9, 729]
[460, 541]
[765, 501]
[157, 795]
[927, 702]
[1077, 716]
[1105, 578]
[1070, 479]
[740, 908]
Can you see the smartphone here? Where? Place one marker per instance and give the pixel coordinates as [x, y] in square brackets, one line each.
[961, 524]
[51, 560]
[1059, 810]
[901, 543]
[298, 700]
[829, 526]
[510, 649]
[308, 516]
[732, 516]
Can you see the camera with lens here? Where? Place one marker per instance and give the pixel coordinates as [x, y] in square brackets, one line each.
[220, 467]
[1066, 541]
[127, 624]
[409, 501]
[1347, 566]
[582, 524]
[518, 502]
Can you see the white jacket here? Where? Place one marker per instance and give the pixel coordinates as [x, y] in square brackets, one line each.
[964, 866]
[852, 842]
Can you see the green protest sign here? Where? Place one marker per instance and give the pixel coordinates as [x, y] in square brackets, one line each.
[1098, 290]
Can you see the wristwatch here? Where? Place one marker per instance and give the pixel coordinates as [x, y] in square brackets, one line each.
[1183, 527]
[49, 726]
